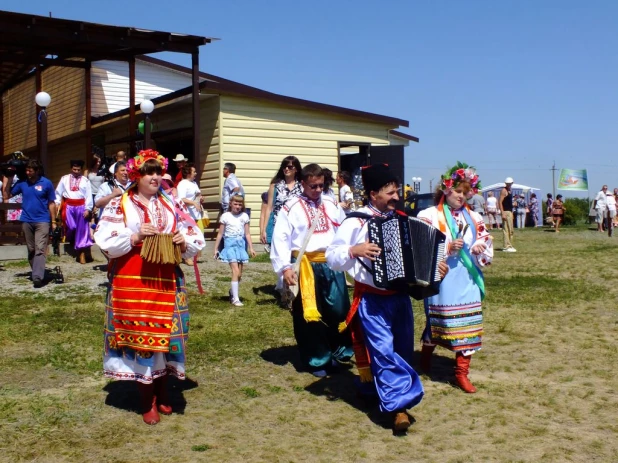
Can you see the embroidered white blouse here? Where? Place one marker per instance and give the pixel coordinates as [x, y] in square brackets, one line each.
[113, 233]
[73, 187]
[293, 222]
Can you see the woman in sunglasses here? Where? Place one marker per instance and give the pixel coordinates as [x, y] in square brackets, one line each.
[283, 186]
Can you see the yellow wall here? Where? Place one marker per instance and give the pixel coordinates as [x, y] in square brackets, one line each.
[19, 117]
[256, 135]
[67, 110]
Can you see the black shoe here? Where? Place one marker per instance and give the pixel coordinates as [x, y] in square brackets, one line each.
[38, 283]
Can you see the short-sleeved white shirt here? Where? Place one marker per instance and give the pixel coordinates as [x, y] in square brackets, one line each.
[189, 190]
[234, 224]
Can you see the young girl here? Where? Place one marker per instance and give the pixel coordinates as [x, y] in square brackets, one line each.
[234, 227]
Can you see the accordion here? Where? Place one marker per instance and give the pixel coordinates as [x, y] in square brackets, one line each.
[411, 251]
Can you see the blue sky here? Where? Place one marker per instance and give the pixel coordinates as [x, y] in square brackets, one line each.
[507, 86]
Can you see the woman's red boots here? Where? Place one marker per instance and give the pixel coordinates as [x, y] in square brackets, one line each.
[162, 396]
[148, 403]
[462, 367]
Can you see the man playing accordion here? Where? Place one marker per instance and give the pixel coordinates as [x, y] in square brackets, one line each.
[381, 321]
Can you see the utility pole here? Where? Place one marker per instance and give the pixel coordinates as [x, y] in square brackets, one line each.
[431, 185]
[553, 179]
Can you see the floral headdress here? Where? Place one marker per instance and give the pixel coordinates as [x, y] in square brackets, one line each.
[460, 172]
[136, 163]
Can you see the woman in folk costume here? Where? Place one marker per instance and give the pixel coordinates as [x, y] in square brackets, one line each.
[146, 323]
[454, 316]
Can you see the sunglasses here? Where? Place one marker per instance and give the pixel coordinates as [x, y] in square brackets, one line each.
[291, 167]
[316, 186]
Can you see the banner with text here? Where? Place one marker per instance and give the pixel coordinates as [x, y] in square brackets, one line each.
[573, 180]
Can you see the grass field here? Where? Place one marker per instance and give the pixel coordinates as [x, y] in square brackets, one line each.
[546, 375]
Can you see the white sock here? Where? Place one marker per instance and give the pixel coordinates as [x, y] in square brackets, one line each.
[235, 290]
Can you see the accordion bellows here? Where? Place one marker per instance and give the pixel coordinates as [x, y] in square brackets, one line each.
[411, 251]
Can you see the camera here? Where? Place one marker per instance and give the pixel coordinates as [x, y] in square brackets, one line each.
[15, 166]
[106, 163]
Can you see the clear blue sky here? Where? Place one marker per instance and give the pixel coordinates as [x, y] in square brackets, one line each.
[509, 86]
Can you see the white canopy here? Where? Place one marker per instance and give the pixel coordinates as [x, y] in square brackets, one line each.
[515, 186]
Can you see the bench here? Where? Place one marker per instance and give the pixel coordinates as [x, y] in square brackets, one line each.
[10, 232]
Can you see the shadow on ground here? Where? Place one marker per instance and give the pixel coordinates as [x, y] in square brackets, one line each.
[123, 394]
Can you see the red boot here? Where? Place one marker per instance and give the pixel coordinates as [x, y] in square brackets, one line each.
[426, 351]
[162, 397]
[148, 404]
[462, 367]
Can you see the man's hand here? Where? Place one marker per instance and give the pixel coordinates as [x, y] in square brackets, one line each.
[503, 215]
[117, 192]
[366, 249]
[86, 214]
[442, 269]
[289, 277]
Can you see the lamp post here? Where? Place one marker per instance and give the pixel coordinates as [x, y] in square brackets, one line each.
[43, 100]
[147, 107]
[416, 184]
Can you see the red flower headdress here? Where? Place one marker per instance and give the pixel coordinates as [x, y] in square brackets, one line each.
[136, 163]
[460, 172]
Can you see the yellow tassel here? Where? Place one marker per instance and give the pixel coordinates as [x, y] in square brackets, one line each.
[342, 326]
[365, 375]
[311, 314]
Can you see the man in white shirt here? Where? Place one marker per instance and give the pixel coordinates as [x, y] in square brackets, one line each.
[74, 197]
[110, 190]
[610, 200]
[600, 204]
[322, 302]
[231, 186]
[120, 156]
[381, 321]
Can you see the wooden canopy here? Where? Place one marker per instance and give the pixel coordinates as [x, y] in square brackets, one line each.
[29, 44]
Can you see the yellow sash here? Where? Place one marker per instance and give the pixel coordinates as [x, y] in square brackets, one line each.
[306, 281]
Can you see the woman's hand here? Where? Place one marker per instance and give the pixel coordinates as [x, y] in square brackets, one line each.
[146, 229]
[478, 248]
[367, 250]
[456, 245]
[263, 237]
[252, 252]
[179, 238]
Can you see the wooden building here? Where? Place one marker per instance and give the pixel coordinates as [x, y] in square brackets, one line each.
[252, 128]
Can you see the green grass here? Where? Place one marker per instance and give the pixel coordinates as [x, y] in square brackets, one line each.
[545, 375]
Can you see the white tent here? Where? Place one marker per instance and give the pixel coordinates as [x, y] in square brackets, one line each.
[515, 186]
[517, 189]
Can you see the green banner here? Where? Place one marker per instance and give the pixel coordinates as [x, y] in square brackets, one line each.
[573, 180]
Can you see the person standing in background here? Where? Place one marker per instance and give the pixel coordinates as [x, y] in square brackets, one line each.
[231, 186]
[506, 206]
[180, 161]
[492, 210]
[74, 196]
[39, 208]
[346, 197]
[521, 210]
[534, 209]
[600, 205]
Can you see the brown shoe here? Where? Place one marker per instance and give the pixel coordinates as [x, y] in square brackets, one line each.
[402, 421]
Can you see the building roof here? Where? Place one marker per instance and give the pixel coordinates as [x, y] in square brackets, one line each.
[28, 40]
[218, 85]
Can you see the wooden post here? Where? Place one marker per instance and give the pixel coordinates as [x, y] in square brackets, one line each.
[88, 84]
[132, 124]
[195, 75]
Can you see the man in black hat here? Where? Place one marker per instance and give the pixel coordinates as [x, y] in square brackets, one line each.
[74, 197]
[380, 320]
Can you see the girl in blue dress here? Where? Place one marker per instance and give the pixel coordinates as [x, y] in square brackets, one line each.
[234, 227]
